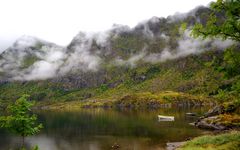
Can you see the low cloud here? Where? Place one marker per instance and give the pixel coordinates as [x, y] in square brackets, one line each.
[131, 62]
[57, 61]
[34, 59]
[188, 45]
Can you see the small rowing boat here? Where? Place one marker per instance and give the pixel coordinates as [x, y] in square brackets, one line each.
[165, 118]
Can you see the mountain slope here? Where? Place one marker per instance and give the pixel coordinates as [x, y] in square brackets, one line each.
[155, 56]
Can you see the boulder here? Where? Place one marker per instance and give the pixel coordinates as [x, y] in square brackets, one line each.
[217, 110]
[208, 123]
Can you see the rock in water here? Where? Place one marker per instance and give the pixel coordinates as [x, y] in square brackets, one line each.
[115, 146]
[174, 145]
[191, 114]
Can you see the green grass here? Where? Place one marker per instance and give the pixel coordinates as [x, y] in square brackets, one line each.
[28, 61]
[133, 100]
[227, 141]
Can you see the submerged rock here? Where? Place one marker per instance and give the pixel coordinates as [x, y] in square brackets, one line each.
[115, 146]
[174, 145]
[191, 114]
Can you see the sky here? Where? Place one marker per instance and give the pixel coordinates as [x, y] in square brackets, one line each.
[58, 21]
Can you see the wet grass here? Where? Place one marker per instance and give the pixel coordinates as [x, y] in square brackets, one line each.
[226, 141]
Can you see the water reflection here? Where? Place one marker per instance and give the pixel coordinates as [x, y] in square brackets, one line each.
[99, 129]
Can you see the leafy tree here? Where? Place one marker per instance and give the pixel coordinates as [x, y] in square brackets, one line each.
[20, 119]
[224, 23]
[231, 62]
[225, 27]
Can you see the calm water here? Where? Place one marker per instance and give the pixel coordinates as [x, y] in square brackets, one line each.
[99, 129]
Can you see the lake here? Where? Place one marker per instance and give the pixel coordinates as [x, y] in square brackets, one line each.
[100, 129]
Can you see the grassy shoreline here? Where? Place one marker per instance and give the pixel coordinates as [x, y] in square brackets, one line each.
[136, 100]
[223, 141]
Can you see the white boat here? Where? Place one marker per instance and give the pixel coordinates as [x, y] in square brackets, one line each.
[165, 118]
